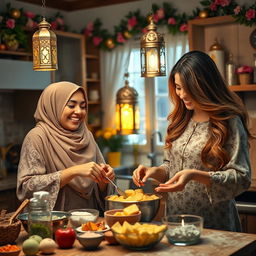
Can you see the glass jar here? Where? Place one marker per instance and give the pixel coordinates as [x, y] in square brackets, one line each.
[39, 216]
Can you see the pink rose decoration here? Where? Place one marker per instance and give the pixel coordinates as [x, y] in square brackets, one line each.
[144, 30]
[222, 3]
[237, 10]
[87, 32]
[132, 22]
[244, 69]
[171, 21]
[54, 25]
[89, 26]
[120, 38]
[160, 13]
[184, 27]
[10, 23]
[96, 40]
[250, 14]
[60, 21]
[155, 18]
[213, 7]
[30, 15]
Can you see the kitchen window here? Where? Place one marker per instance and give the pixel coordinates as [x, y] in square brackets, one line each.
[154, 103]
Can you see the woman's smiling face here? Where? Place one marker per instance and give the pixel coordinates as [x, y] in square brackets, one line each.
[74, 112]
[180, 91]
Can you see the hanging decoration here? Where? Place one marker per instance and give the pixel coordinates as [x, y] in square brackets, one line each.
[13, 21]
[152, 52]
[44, 47]
[127, 110]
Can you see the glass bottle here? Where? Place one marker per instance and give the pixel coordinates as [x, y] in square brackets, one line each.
[230, 71]
[39, 216]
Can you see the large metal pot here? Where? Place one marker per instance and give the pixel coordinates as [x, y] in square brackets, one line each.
[148, 208]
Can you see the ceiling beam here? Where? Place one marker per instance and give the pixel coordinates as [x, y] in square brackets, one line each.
[74, 5]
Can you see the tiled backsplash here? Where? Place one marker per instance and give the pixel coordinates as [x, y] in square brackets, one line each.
[11, 130]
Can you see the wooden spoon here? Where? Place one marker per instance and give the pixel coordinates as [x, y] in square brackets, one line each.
[21, 207]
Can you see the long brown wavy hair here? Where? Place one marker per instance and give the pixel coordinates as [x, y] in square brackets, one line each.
[204, 84]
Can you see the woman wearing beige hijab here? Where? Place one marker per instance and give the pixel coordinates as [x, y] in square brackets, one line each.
[60, 155]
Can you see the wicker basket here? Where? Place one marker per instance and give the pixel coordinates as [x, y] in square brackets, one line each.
[9, 232]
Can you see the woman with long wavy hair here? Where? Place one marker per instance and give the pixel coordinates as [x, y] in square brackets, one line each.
[206, 159]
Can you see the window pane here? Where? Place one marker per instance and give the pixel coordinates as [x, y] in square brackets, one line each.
[162, 107]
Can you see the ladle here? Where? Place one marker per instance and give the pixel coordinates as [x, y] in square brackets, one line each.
[21, 207]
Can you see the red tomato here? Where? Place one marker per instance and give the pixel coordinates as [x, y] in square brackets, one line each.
[65, 237]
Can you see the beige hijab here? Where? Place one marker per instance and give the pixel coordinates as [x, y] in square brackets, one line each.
[65, 148]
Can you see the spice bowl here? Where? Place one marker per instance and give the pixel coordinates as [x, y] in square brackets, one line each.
[10, 250]
[183, 229]
[90, 240]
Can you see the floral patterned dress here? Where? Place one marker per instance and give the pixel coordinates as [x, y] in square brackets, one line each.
[216, 203]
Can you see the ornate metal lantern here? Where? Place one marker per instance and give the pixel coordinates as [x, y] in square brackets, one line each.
[127, 110]
[152, 52]
[44, 47]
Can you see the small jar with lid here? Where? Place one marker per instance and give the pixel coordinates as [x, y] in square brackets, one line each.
[216, 52]
[39, 216]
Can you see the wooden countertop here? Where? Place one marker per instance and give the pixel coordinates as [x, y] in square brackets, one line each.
[213, 242]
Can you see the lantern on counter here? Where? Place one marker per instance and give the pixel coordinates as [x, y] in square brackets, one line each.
[216, 52]
[127, 110]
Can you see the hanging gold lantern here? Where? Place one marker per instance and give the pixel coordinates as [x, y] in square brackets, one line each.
[127, 110]
[152, 52]
[44, 48]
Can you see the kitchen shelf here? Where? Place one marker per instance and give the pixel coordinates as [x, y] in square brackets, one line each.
[92, 80]
[19, 53]
[91, 56]
[243, 88]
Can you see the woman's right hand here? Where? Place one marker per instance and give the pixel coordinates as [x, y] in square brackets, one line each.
[141, 174]
[92, 170]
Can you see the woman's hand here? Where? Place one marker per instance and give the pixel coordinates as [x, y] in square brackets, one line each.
[92, 170]
[180, 179]
[141, 174]
[108, 171]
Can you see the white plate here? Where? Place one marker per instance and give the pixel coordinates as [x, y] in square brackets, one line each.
[79, 229]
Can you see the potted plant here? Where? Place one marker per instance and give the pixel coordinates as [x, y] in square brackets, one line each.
[244, 74]
[111, 143]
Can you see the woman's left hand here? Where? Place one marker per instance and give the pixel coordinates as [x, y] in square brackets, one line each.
[109, 172]
[177, 182]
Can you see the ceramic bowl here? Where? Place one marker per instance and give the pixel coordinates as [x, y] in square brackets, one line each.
[90, 240]
[111, 219]
[59, 219]
[81, 216]
[148, 208]
[183, 229]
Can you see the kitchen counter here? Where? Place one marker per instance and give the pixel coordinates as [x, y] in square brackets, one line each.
[213, 242]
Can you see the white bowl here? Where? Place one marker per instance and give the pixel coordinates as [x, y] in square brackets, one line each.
[90, 240]
[81, 216]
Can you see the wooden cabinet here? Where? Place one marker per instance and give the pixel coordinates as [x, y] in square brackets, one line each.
[248, 222]
[92, 58]
[231, 35]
